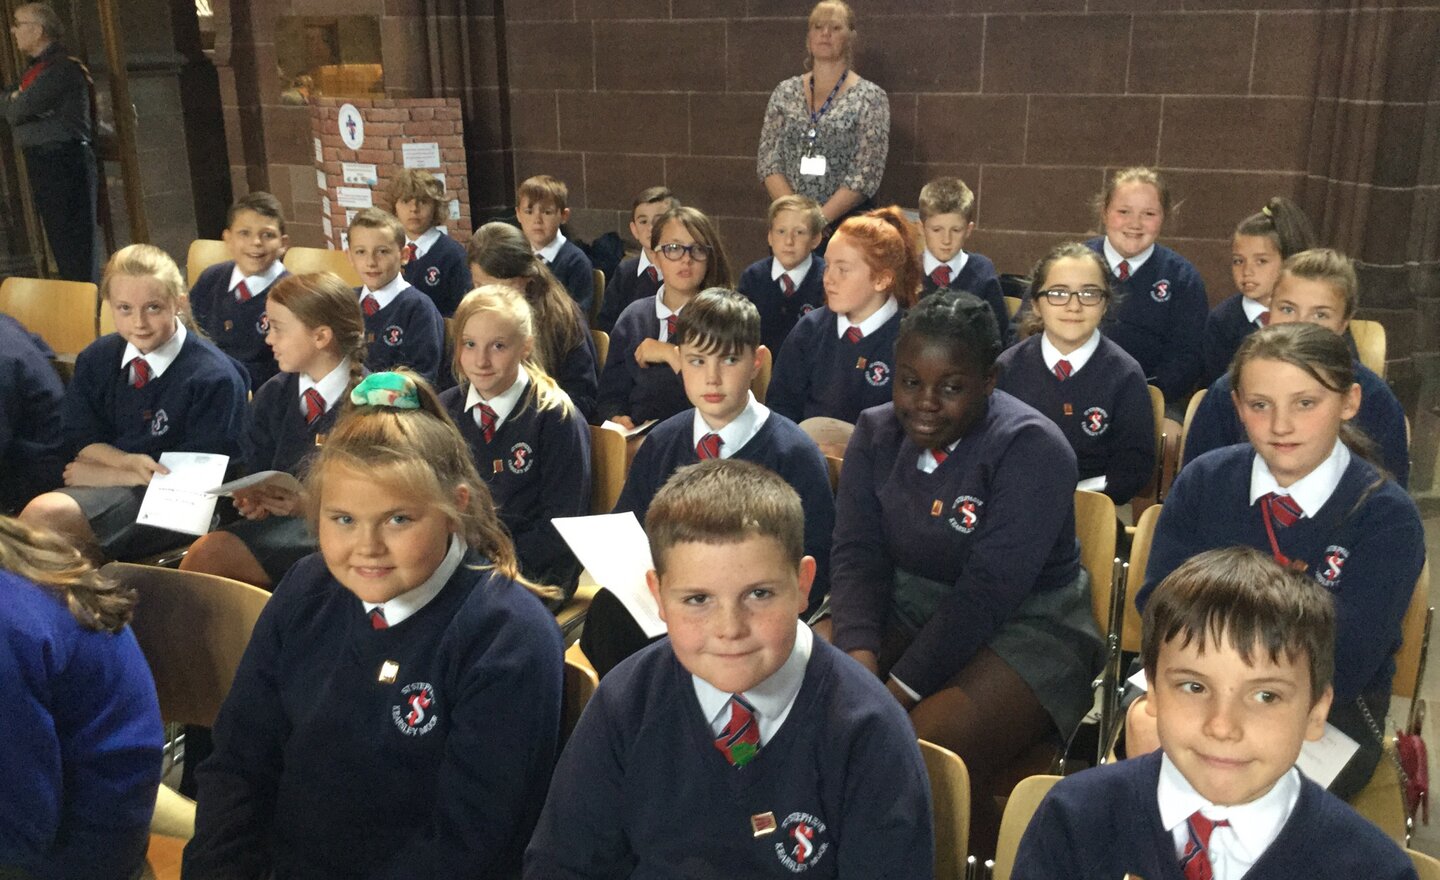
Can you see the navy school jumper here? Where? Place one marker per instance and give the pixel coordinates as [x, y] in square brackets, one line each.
[819, 374]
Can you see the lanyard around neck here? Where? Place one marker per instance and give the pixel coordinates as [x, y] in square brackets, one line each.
[824, 108]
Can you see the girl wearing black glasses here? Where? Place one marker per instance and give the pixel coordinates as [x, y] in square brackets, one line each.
[641, 378]
[1084, 383]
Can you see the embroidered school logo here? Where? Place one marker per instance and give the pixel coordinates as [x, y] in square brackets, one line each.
[1328, 572]
[159, 423]
[806, 309]
[877, 373]
[1161, 291]
[1094, 421]
[262, 326]
[394, 335]
[522, 456]
[416, 714]
[432, 276]
[803, 843]
[966, 514]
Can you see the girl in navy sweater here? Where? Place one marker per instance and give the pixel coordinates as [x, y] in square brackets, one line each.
[1262, 242]
[398, 707]
[1304, 491]
[153, 386]
[81, 761]
[641, 379]
[1160, 316]
[564, 348]
[839, 359]
[1094, 392]
[955, 573]
[530, 444]
[318, 336]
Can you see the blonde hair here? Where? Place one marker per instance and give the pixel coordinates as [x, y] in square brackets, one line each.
[1136, 174]
[322, 299]
[149, 262]
[508, 305]
[374, 218]
[419, 453]
[947, 195]
[543, 190]
[51, 563]
[1331, 267]
[502, 252]
[832, 9]
[805, 205]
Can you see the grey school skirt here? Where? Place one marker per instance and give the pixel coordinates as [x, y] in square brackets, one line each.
[1050, 641]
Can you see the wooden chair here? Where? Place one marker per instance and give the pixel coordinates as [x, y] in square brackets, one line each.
[831, 435]
[1152, 493]
[309, 259]
[1370, 343]
[204, 253]
[950, 808]
[599, 298]
[1019, 809]
[1097, 528]
[1190, 409]
[833, 464]
[1426, 867]
[63, 313]
[1135, 576]
[602, 347]
[193, 629]
[1012, 304]
[1382, 800]
[607, 468]
[761, 384]
[580, 684]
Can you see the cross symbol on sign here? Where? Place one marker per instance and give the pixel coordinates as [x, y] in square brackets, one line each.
[350, 124]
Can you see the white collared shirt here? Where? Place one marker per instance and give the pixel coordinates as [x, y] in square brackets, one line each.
[1077, 358]
[426, 241]
[797, 274]
[644, 263]
[1233, 848]
[662, 312]
[772, 698]
[161, 358]
[739, 431]
[331, 387]
[927, 463]
[256, 284]
[551, 250]
[409, 603]
[1310, 491]
[956, 263]
[1253, 309]
[503, 403]
[870, 324]
[386, 295]
[1113, 257]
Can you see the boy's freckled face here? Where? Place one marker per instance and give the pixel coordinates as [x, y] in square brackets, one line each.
[945, 235]
[540, 222]
[1232, 728]
[255, 241]
[718, 384]
[791, 238]
[731, 608]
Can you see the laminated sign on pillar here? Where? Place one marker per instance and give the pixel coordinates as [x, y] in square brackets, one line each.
[352, 126]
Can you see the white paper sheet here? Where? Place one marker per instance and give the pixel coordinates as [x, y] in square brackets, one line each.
[177, 501]
[629, 432]
[1094, 484]
[613, 548]
[421, 155]
[277, 479]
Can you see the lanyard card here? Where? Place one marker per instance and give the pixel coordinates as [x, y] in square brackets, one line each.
[812, 166]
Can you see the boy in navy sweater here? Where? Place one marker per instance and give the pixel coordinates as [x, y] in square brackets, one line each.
[1238, 652]
[947, 217]
[637, 277]
[718, 335]
[434, 262]
[402, 326]
[788, 284]
[228, 299]
[540, 206]
[741, 745]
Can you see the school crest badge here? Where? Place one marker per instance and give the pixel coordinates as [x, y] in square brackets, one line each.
[1331, 564]
[1094, 421]
[262, 326]
[803, 843]
[159, 423]
[806, 309]
[965, 514]
[877, 373]
[432, 276]
[1160, 290]
[393, 335]
[416, 713]
[522, 458]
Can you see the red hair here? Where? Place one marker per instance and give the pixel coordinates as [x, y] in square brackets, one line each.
[886, 241]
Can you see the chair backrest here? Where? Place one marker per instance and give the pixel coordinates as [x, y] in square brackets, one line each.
[1012, 304]
[309, 259]
[203, 253]
[580, 684]
[599, 298]
[63, 313]
[1135, 578]
[1096, 527]
[607, 468]
[1370, 343]
[1019, 809]
[950, 806]
[602, 347]
[761, 383]
[833, 464]
[1157, 410]
[1190, 409]
[193, 629]
[1426, 867]
[831, 435]
[1414, 638]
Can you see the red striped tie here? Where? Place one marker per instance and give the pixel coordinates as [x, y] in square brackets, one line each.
[939, 455]
[242, 292]
[314, 405]
[653, 274]
[941, 276]
[141, 371]
[670, 323]
[488, 418]
[788, 285]
[1195, 863]
[708, 447]
[739, 742]
[370, 304]
[854, 334]
[377, 619]
[1283, 508]
[1123, 270]
[1063, 369]
[411, 251]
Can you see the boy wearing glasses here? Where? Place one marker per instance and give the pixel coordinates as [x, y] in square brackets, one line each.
[947, 217]
[1087, 385]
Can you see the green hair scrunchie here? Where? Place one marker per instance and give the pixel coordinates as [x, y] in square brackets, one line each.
[386, 389]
